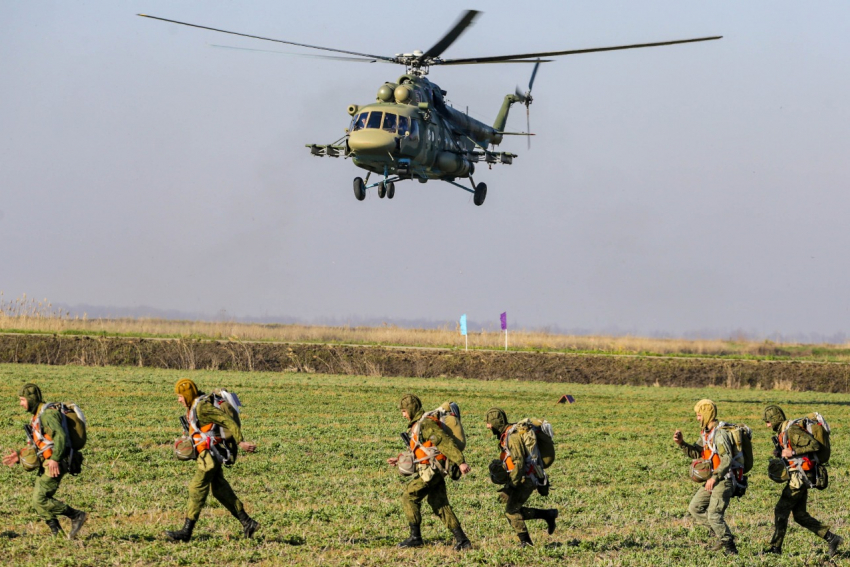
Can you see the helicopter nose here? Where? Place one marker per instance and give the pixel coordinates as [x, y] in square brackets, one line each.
[371, 141]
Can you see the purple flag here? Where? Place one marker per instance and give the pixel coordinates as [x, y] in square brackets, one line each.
[504, 318]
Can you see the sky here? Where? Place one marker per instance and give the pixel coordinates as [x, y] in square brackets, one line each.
[686, 190]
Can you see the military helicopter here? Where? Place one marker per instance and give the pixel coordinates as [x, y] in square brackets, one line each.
[411, 132]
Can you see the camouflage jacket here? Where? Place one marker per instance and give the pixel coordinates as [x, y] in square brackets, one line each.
[431, 431]
[724, 445]
[208, 413]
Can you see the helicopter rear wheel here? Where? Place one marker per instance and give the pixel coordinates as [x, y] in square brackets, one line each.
[480, 194]
[390, 190]
[382, 189]
[359, 189]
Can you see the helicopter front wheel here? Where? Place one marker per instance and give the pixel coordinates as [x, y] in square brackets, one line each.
[359, 189]
[382, 189]
[390, 190]
[480, 194]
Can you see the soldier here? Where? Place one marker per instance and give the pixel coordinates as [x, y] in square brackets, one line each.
[51, 441]
[797, 448]
[209, 474]
[428, 481]
[716, 446]
[519, 485]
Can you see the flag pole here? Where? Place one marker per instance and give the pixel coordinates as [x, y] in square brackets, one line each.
[506, 339]
[467, 341]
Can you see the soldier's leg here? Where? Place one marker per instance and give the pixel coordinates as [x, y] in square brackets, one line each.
[414, 493]
[47, 507]
[515, 512]
[200, 485]
[223, 492]
[781, 513]
[438, 499]
[802, 516]
[715, 514]
[699, 506]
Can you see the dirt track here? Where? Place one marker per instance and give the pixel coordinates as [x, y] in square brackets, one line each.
[424, 363]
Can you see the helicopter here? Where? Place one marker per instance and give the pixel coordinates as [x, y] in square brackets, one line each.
[410, 131]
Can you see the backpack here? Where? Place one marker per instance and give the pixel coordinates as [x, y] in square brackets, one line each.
[73, 422]
[817, 427]
[538, 437]
[449, 416]
[742, 436]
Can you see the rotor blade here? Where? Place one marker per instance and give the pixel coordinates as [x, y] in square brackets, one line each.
[519, 94]
[528, 124]
[467, 62]
[450, 37]
[270, 39]
[334, 57]
[533, 74]
[499, 58]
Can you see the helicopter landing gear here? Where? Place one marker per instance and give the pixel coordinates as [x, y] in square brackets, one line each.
[382, 189]
[359, 189]
[480, 194]
[390, 190]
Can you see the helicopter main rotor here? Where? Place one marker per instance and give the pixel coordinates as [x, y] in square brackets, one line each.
[419, 62]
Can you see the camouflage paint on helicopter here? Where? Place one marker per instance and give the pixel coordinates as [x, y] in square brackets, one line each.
[410, 132]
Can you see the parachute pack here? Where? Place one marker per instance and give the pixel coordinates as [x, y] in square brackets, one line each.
[447, 416]
[40, 445]
[538, 437]
[816, 426]
[218, 440]
[742, 436]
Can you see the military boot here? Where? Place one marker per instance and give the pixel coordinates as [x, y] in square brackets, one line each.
[549, 515]
[729, 547]
[249, 526]
[184, 533]
[525, 540]
[415, 539]
[55, 527]
[78, 518]
[834, 540]
[461, 541]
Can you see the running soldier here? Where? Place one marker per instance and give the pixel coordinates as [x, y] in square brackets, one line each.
[205, 422]
[49, 442]
[797, 448]
[716, 446]
[432, 448]
[513, 470]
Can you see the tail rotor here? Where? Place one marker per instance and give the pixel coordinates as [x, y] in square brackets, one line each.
[526, 99]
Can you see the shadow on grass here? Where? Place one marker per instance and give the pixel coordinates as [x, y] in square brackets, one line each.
[10, 534]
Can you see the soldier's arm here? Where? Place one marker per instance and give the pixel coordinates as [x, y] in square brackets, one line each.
[693, 451]
[443, 442]
[52, 423]
[725, 450]
[208, 413]
[518, 456]
[801, 441]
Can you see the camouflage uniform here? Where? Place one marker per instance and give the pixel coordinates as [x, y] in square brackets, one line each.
[46, 506]
[709, 508]
[519, 486]
[428, 484]
[209, 474]
[794, 500]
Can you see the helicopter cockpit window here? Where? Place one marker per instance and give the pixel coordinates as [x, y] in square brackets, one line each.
[374, 120]
[389, 122]
[414, 131]
[403, 125]
[360, 121]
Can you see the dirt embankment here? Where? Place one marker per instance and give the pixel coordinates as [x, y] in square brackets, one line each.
[424, 363]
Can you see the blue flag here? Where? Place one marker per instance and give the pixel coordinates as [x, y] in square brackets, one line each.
[463, 324]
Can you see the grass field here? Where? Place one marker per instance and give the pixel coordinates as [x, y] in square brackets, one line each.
[324, 495]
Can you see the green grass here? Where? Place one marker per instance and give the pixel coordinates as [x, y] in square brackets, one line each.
[324, 495]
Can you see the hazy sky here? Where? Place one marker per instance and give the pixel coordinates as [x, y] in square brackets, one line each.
[673, 189]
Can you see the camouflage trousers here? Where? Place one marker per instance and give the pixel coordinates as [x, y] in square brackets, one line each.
[434, 490]
[209, 476]
[794, 502]
[47, 507]
[708, 508]
[514, 497]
